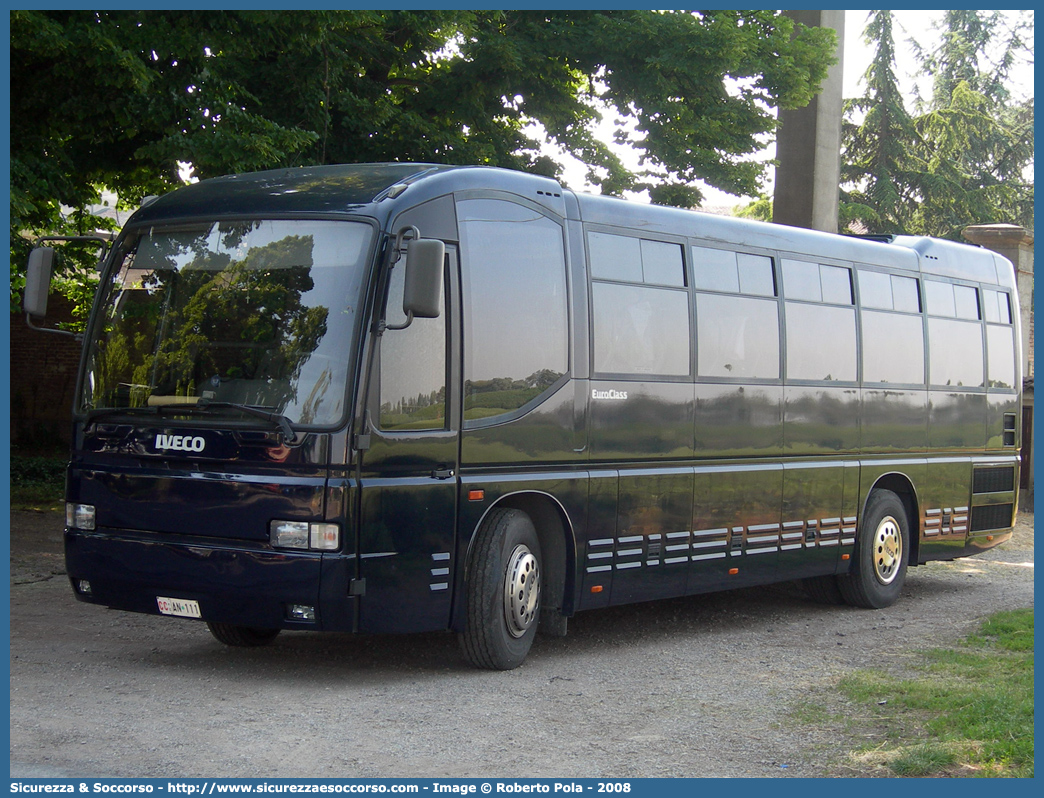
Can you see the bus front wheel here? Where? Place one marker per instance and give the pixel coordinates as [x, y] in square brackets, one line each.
[241, 635]
[882, 551]
[503, 591]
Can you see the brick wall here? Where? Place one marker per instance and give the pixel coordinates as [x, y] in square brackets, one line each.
[43, 379]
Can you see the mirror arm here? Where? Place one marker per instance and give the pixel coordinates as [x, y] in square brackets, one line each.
[385, 326]
[29, 323]
[396, 255]
[400, 238]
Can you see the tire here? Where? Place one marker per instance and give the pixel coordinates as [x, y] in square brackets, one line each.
[503, 592]
[244, 636]
[882, 551]
[823, 589]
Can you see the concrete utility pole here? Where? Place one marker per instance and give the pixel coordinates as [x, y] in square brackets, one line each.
[808, 144]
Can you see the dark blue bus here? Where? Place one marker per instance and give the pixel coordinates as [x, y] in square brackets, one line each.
[407, 397]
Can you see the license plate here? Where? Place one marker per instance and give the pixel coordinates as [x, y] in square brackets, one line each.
[179, 607]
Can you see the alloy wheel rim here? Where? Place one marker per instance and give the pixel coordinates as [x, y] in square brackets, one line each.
[521, 591]
[888, 550]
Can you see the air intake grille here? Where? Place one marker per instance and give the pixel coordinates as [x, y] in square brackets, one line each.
[994, 516]
[993, 480]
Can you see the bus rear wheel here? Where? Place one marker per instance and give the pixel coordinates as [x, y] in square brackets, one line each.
[241, 635]
[882, 552]
[503, 591]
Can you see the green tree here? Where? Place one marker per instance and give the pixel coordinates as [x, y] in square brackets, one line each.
[879, 165]
[965, 158]
[977, 142]
[118, 99]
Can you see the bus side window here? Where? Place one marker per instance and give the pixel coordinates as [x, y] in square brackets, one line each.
[413, 366]
[516, 333]
[640, 304]
[892, 329]
[955, 357]
[1000, 340]
[824, 302]
[736, 336]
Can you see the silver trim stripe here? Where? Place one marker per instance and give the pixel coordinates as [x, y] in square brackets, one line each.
[685, 546]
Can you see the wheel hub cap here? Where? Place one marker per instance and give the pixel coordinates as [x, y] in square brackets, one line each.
[521, 591]
[888, 550]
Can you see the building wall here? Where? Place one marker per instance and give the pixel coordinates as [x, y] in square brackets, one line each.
[42, 380]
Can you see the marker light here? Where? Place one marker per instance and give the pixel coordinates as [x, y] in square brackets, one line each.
[79, 516]
[305, 535]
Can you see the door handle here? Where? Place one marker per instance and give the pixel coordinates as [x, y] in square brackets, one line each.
[442, 473]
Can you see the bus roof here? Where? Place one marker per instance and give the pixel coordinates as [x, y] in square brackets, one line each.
[366, 189]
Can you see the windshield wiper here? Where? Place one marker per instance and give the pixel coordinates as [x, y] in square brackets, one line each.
[202, 407]
[281, 421]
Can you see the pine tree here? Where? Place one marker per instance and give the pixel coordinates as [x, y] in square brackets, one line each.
[877, 159]
[966, 157]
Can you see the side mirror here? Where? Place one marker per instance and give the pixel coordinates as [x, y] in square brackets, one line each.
[422, 283]
[422, 292]
[38, 281]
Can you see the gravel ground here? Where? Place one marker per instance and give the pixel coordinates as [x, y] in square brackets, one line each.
[706, 686]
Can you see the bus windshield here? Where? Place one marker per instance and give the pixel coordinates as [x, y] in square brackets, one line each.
[257, 313]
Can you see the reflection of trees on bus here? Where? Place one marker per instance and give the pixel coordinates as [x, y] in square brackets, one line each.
[232, 331]
[502, 394]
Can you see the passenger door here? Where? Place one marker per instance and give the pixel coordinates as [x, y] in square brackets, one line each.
[409, 472]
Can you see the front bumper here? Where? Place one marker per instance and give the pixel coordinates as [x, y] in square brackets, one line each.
[232, 584]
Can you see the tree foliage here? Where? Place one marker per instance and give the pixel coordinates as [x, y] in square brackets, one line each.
[117, 99]
[964, 157]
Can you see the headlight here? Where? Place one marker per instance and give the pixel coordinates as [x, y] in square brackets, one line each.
[305, 535]
[79, 516]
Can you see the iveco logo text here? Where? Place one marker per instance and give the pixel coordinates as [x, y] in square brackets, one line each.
[181, 443]
[608, 394]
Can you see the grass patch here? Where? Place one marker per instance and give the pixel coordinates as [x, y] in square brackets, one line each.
[37, 483]
[970, 714]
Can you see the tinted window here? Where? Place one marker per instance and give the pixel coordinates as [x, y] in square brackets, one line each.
[662, 263]
[737, 337]
[1000, 345]
[640, 330]
[801, 281]
[888, 292]
[821, 342]
[952, 301]
[755, 275]
[875, 290]
[893, 347]
[837, 284]
[715, 270]
[515, 305]
[955, 353]
[904, 294]
[966, 300]
[815, 282]
[413, 366]
[940, 299]
[733, 272]
[635, 260]
[996, 306]
[615, 257]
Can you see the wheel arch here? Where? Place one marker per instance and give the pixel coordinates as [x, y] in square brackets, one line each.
[557, 545]
[902, 486]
